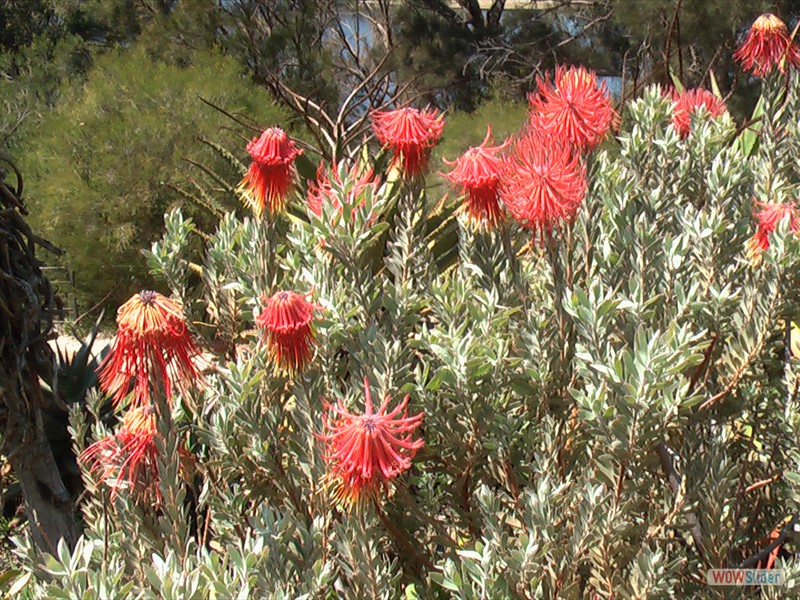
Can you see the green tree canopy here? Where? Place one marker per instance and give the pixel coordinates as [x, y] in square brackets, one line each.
[100, 165]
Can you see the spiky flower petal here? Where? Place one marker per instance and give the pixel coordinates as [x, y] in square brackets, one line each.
[544, 184]
[767, 47]
[478, 172]
[268, 180]
[287, 318]
[321, 192]
[689, 102]
[365, 452]
[574, 107]
[153, 349]
[768, 216]
[410, 134]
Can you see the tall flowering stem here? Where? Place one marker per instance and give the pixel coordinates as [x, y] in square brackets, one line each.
[365, 452]
[153, 349]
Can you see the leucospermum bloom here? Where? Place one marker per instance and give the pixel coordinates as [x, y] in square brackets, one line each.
[478, 172]
[544, 183]
[128, 459]
[365, 452]
[410, 134]
[574, 107]
[688, 102]
[286, 318]
[267, 182]
[153, 347]
[767, 46]
[768, 216]
[321, 192]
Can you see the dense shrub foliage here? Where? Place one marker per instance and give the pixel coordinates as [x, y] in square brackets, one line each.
[609, 408]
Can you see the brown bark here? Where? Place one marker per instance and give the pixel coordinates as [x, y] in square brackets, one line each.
[47, 503]
[26, 319]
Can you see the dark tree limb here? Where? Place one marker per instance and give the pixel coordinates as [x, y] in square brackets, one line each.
[25, 357]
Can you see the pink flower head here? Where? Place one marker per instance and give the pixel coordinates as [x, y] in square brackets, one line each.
[269, 178]
[688, 102]
[410, 134]
[574, 107]
[321, 192]
[767, 217]
[365, 452]
[545, 183]
[153, 347]
[767, 46]
[286, 318]
[478, 172]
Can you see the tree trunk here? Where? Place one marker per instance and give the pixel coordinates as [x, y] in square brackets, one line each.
[47, 502]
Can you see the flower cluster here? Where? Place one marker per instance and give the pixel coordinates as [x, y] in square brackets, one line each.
[152, 353]
[545, 183]
[153, 348]
[478, 172]
[321, 192]
[768, 215]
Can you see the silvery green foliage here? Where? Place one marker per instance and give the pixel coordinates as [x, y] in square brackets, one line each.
[607, 415]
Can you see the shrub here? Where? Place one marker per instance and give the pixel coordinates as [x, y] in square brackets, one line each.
[609, 409]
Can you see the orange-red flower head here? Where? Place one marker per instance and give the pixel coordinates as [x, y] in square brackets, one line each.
[767, 218]
[128, 459]
[574, 107]
[321, 192]
[690, 101]
[365, 452]
[287, 318]
[544, 183]
[478, 172]
[153, 349]
[767, 47]
[410, 134]
[269, 178]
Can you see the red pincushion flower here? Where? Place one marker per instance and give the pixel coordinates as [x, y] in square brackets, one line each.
[544, 184]
[321, 192]
[768, 216]
[153, 347]
[364, 452]
[689, 102]
[410, 133]
[478, 172]
[128, 458]
[767, 46]
[286, 319]
[267, 182]
[574, 107]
